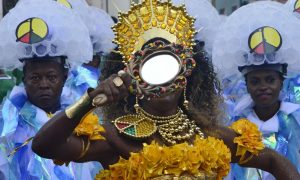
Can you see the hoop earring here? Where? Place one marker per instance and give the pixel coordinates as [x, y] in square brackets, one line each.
[185, 101]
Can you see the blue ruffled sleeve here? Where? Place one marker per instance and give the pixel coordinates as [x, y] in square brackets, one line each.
[82, 78]
[293, 153]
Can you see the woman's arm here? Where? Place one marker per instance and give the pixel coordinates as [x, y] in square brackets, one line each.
[270, 161]
[55, 140]
[267, 159]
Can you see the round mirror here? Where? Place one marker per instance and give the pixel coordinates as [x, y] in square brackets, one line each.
[160, 69]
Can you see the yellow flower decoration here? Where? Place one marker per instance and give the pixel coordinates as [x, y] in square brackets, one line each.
[250, 139]
[206, 157]
[153, 157]
[89, 126]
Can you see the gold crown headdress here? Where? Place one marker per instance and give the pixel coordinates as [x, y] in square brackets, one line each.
[153, 19]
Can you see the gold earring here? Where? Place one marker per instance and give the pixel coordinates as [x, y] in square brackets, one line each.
[136, 105]
[185, 101]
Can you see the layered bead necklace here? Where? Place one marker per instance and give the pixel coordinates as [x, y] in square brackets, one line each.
[173, 129]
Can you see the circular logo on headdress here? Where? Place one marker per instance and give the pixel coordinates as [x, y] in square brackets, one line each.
[65, 3]
[264, 40]
[32, 30]
[297, 6]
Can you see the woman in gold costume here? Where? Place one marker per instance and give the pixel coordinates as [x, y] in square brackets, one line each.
[153, 129]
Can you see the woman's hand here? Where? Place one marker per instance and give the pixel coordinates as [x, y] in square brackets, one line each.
[111, 90]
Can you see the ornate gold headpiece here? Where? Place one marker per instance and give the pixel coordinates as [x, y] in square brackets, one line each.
[153, 19]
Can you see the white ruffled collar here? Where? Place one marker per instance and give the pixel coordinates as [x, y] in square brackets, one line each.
[245, 108]
[269, 126]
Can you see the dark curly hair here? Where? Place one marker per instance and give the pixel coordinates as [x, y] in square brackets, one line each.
[203, 90]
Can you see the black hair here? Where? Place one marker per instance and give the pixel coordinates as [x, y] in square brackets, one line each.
[203, 90]
[154, 40]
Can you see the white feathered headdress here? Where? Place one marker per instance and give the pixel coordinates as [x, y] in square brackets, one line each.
[256, 34]
[38, 28]
[99, 24]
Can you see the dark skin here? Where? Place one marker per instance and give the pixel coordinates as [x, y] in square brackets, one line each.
[95, 62]
[264, 86]
[44, 82]
[56, 141]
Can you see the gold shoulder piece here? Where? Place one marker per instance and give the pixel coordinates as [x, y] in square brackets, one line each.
[153, 19]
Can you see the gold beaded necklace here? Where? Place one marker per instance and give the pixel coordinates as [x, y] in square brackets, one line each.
[173, 129]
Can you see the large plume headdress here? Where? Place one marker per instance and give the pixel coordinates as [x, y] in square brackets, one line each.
[257, 34]
[38, 28]
[97, 21]
[293, 6]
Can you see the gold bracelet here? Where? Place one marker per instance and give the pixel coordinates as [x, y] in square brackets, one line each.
[76, 108]
[244, 160]
[84, 148]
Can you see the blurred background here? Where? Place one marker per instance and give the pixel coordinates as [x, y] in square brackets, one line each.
[224, 7]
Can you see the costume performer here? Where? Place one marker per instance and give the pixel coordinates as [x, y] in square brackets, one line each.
[37, 36]
[264, 48]
[172, 131]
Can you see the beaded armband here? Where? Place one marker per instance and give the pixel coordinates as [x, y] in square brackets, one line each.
[250, 139]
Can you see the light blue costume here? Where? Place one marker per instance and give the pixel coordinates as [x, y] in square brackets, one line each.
[244, 44]
[21, 121]
[81, 78]
[281, 133]
[292, 87]
[67, 36]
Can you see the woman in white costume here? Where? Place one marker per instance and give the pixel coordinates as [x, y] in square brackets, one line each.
[260, 41]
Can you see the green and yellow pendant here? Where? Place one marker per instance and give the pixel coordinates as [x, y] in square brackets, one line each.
[135, 126]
